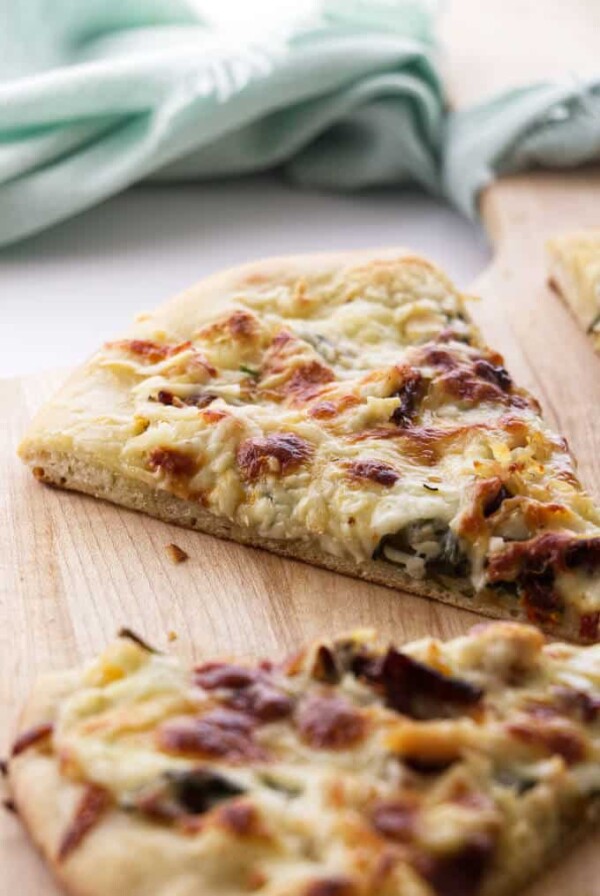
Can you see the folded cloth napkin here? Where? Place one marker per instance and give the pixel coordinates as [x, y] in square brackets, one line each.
[542, 125]
[96, 95]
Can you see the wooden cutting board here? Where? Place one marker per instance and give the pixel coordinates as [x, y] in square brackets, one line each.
[73, 570]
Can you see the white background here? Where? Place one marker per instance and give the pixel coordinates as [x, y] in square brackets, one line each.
[68, 289]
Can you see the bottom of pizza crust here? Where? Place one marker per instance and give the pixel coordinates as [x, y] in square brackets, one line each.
[437, 769]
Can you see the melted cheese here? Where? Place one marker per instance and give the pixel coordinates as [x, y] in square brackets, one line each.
[374, 365]
[317, 801]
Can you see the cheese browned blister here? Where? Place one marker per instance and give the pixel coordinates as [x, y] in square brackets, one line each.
[343, 410]
[354, 769]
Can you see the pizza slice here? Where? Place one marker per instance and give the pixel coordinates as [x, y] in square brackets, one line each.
[342, 410]
[440, 769]
[574, 266]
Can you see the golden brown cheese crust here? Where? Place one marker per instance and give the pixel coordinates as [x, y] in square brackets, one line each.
[437, 769]
[574, 268]
[343, 409]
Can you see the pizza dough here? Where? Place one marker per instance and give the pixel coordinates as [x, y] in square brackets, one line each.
[351, 768]
[344, 410]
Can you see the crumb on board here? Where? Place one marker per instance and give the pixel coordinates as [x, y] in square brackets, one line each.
[171, 635]
[177, 554]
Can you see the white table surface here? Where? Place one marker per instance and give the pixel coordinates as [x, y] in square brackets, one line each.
[70, 288]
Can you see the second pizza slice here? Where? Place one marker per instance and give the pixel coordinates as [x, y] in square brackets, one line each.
[436, 769]
[344, 410]
[574, 267]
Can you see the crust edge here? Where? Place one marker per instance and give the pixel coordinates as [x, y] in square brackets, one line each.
[35, 773]
[83, 475]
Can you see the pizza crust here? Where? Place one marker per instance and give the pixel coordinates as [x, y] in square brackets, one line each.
[63, 452]
[124, 854]
[177, 318]
[89, 478]
[44, 800]
[120, 855]
[114, 857]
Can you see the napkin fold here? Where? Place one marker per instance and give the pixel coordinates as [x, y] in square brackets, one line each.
[541, 125]
[97, 95]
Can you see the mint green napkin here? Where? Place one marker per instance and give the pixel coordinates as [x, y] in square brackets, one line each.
[96, 95]
[542, 125]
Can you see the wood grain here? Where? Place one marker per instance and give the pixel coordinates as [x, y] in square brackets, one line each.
[73, 570]
[496, 45]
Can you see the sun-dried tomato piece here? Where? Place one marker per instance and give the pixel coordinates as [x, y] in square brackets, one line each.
[493, 373]
[395, 819]
[221, 732]
[373, 471]
[262, 701]
[31, 737]
[196, 399]
[417, 690]
[253, 690]
[325, 667]
[583, 553]
[579, 704]
[410, 394]
[90, 809]
[550, 736]
[495, 499]
[459, 873]
[331, 886]
[589, 626]
[550, 550]
[224, 675]
[328, 721]
[241, 819]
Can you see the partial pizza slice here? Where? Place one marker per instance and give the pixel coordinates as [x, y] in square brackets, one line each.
[342, 410]
[574, 267]
[439, 769]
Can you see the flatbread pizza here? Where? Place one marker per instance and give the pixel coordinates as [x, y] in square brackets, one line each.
[343, 410]
[348, 769]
